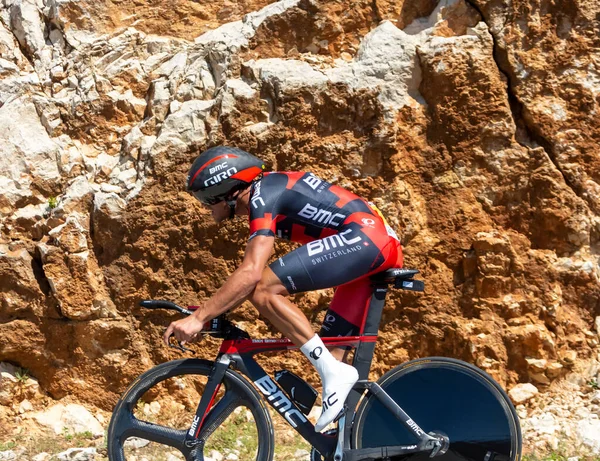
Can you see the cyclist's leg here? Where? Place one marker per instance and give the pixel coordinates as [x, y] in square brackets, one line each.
[269, 298]
[337, 378]
[346, 313]
[330, 261]
[324, 263]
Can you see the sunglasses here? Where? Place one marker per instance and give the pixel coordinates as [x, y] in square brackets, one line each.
[211, 200]
[206, 200]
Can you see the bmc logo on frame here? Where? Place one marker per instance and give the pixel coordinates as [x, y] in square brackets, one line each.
[279, 400]
[192, 431]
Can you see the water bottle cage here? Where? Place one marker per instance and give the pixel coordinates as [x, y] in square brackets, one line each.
[298, 390]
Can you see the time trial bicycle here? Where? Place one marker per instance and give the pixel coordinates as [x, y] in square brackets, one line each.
[434, 407]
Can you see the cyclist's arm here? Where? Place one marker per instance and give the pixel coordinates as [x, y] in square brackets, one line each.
[234, 291]
[242, 282]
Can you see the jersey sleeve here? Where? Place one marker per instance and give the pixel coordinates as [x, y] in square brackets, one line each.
[263, 205]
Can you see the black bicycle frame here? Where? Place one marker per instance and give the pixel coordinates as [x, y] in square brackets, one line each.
[239, 354]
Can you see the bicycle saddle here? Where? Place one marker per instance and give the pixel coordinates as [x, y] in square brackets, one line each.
[394, 275]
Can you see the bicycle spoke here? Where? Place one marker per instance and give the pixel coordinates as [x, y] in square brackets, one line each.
[156, 433]
[219, 413]
[157, 409]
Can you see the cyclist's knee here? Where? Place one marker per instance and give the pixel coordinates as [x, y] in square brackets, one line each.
[264, 293]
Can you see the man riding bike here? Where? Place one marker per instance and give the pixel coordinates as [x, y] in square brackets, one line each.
[344, 240]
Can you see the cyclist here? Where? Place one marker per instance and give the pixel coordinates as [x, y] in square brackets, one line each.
[344, 240]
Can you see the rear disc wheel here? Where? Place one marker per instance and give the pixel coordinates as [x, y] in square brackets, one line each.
[443, 396]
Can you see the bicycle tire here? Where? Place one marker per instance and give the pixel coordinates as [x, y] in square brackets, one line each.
[238, 393]
[446, 396]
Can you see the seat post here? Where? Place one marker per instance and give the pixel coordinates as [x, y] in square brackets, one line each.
[363, 355]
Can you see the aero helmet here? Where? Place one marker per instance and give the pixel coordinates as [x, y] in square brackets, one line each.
[219, 172]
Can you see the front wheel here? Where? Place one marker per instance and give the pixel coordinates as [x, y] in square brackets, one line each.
[153, 416]
[448, 396]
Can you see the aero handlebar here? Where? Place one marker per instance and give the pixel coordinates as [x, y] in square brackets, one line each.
[160, 304]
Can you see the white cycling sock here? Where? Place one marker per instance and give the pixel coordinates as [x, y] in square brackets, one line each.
[337, 379]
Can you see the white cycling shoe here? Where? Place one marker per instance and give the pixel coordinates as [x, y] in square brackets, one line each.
[335, 391]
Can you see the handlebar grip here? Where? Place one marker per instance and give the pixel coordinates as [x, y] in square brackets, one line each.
[161, 304]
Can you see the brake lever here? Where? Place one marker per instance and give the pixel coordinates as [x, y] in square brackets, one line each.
[178, 345]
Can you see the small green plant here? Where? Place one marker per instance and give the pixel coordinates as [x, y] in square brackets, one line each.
[22, 375]
[52, 202]
[66, 434]
[81, 436]
[593, 383]
[7, 446]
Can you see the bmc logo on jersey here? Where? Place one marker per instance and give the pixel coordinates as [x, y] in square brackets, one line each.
[220, 176]
[256, 198]
[312, 181]
[333, 241]
[321, 216]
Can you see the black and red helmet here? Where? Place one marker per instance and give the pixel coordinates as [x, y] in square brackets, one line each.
[218, 172]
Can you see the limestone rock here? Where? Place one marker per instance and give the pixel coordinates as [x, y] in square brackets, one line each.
[538, 365]
[108, 224]
[29, 157]
[236, 34]
[17, 388]
[28, 27]
[70, 236]
[25, 406]
[522, 393]
[185, 128]
[76, 200]
[282, 76]
[42, 457]
[136, 443]
[589, 434]
[77, 454]
[74, 277]
[18, 281]
[11, 52]
[386, 59]
[563, 116]
[73, 418]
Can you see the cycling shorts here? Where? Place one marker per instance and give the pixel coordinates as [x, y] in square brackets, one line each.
[364, 246]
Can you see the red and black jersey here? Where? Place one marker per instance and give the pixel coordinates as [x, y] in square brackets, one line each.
[301, 207]
[345, 239]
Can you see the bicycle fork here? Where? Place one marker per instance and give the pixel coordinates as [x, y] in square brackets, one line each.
[208, 397]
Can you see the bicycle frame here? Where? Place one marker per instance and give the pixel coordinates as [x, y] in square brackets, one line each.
[239, 353]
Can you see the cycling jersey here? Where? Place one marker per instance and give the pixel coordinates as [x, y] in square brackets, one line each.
[345, 239]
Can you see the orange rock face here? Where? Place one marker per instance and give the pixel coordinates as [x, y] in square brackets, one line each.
[472, 125]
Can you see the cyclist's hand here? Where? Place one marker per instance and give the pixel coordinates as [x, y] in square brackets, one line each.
[185, 330]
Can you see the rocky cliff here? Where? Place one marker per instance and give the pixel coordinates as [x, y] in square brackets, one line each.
[473, 125]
